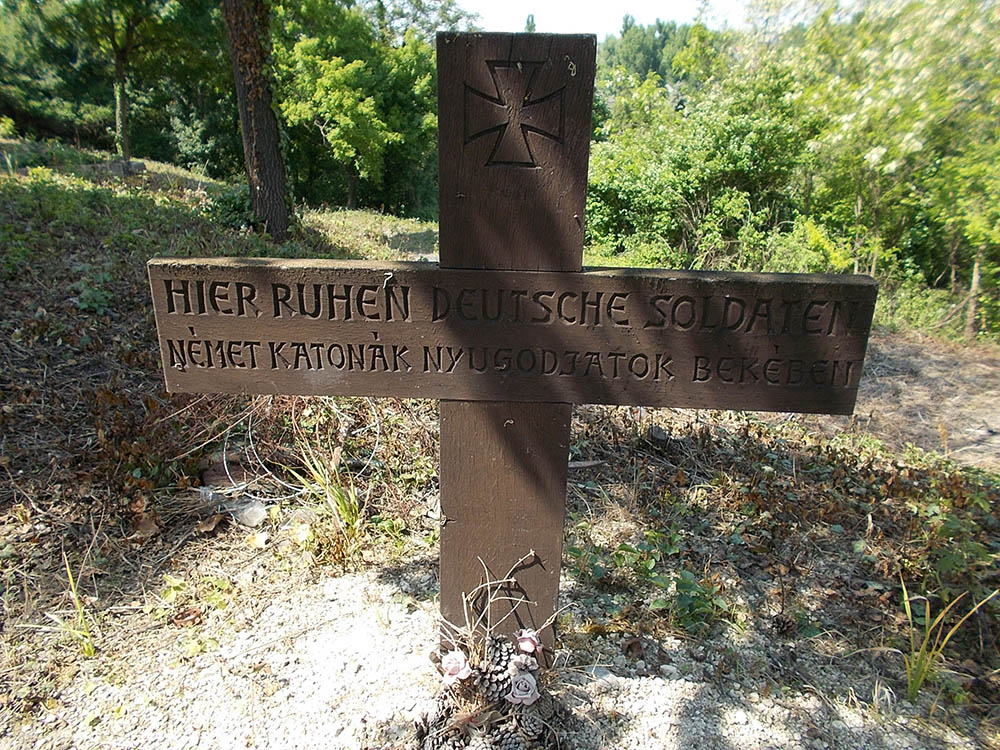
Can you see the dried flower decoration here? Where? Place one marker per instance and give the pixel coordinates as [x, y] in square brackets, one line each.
[455, 666]
[522, 663]
[528, 641]
[523, 689]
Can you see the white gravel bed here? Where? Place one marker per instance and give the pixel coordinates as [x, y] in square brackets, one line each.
[343, 663]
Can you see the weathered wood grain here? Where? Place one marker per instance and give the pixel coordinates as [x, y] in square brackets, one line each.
[768, 342]
[517, 203]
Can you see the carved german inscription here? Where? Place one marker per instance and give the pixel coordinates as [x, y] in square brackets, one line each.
[623, 336]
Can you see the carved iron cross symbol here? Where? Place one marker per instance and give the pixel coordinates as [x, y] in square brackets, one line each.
[513, 113]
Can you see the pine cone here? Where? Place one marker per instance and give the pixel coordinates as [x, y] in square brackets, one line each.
[437, 742]
[493, 678]
[481, 741]
[545, 706]
[507, 738]
[429, 726]
[528, 721]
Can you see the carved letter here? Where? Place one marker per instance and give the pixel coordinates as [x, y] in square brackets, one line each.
[702, 371]
[280, 294]
[442, 303]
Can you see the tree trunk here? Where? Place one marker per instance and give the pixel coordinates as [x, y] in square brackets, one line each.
[953, 265]
[121, 114]
[352, 187]
[249, 49]
[970, 313]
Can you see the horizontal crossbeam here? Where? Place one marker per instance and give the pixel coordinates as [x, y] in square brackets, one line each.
[770, 342]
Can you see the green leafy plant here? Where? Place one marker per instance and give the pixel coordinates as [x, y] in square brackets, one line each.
[7, 128]
[926, 652]
[696, 602]
[231, 208]
[93, 294]
[321, 480]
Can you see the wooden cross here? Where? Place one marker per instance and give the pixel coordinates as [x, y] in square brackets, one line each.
[508, 331]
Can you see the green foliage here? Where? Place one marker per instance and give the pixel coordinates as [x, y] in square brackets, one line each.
[93, 292]
[705, 186]
[835, 138]
[697, 602]
[77, 628]
[339, 98]
[927, 649]
[808, 248]
[691, 602]
[642, 50]
[230, 208]
[702, 58]
[360, 102]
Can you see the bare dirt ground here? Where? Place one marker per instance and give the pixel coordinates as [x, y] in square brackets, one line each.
[933, 394]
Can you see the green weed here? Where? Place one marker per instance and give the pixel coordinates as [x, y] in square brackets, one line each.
[78, 628]
[926, 652]
[696, 602]
[320, 479]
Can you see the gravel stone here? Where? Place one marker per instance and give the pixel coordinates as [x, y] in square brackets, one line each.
[342, 663]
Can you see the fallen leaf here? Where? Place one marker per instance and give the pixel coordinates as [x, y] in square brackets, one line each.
[208, 525]
[257, 540]
[144, 527]
[187, 617]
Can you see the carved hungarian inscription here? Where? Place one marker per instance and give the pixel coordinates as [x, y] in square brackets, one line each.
[622, 336]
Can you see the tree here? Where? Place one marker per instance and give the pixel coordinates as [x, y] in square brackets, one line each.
[50, 85]
[118, 29]
[366, 96]
[424, 17]
[641, 50]
[705, 186]
[247, 27]
[327, 69]
[966, 198]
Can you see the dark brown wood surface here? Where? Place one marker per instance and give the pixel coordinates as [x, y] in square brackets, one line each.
[249, 51]
[514, 121]
[514, 126]
[617, 336]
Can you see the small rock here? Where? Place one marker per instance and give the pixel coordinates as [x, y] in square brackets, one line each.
[670, 671]
[251, 514]
[656, 434]
[300, 515]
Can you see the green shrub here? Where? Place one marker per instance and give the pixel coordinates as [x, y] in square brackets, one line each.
[7, 127]
[231, 208]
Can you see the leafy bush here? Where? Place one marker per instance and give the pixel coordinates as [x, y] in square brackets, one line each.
[231, 208]
[710, 184]
[7, 127]
[808, 248]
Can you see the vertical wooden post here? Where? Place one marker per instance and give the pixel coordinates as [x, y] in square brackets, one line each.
[514, 114]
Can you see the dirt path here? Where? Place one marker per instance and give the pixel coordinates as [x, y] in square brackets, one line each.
[929, 393]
